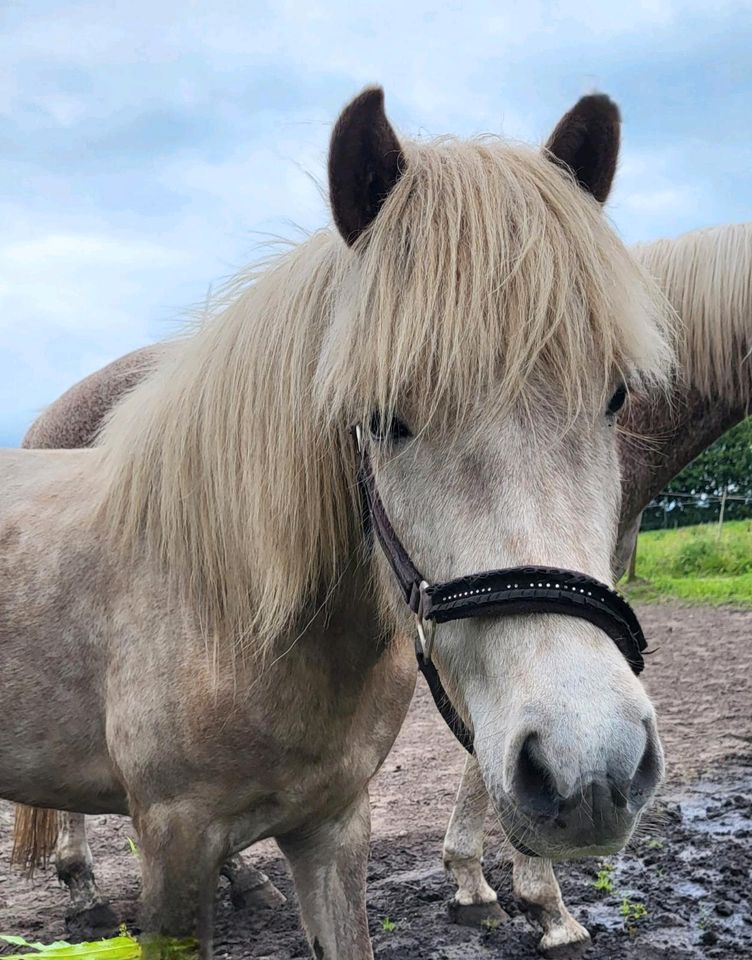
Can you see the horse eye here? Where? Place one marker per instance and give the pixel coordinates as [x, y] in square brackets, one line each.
[383, 429]
[617, 401]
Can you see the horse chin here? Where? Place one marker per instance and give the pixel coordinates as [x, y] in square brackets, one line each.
[521, 847]
[556, 852]
[548, 841]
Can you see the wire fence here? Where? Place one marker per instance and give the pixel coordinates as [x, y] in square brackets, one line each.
[670, 510]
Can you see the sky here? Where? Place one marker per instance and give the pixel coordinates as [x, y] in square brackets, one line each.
[148, 149]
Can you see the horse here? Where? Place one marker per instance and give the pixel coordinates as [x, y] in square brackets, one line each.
[202, 580]
[705, 275]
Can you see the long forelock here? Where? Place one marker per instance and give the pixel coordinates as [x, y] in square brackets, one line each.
[485, 269]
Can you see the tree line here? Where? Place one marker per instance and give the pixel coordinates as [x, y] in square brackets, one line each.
[719, 480]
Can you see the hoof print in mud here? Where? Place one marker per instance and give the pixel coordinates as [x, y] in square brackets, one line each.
[94, 923]
[483, 915]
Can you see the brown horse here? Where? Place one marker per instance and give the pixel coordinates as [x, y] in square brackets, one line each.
[199, 580]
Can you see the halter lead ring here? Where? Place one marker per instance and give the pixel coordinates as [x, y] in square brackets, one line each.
[426, 628]
[503, 592]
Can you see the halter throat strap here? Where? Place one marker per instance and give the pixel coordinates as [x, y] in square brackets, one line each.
[505, 592]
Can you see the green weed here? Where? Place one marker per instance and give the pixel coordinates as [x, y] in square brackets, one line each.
[632, 912]
[604, 882]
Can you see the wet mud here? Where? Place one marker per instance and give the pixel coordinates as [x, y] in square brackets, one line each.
[681, 891]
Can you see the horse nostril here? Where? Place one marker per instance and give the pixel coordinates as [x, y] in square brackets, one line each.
[649, 772]
[533, 786]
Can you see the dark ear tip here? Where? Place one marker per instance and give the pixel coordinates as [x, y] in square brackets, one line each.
[586, 140]
[598, 105]
[366, 108]
[369, 100]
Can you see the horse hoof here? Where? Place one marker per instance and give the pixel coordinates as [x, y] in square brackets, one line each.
[483, 915]
[558, 948]
[263, 896]
[91, 923]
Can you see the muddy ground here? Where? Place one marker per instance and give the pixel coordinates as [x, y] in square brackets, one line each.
[691, 867]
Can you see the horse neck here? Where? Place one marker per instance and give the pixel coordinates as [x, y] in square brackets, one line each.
[338, 645]
[341, 659]
[706, 277]
[662, 435]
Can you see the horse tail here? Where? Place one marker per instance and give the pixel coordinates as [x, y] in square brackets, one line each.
[35, 834]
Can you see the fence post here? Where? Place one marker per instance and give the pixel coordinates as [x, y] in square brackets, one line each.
[723, 510]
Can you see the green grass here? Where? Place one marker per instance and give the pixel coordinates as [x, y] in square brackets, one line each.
[695, 564]
[122, 947]
[632, 911]
[604, 882]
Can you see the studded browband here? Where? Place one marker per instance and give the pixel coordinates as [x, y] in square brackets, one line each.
[505, 592]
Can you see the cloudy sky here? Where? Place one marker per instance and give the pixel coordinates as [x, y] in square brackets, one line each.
[147, 148]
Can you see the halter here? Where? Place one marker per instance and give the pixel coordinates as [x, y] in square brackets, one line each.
[504, 592]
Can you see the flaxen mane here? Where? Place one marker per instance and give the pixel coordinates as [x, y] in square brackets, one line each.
[486, 270]
[707, 276]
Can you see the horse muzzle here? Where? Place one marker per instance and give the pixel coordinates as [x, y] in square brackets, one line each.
[545, 814]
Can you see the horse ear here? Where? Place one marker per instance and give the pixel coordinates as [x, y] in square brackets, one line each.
[365, 162]
[587, 141]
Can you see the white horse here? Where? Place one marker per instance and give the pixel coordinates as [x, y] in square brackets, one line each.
[707, 276]
[194, 608]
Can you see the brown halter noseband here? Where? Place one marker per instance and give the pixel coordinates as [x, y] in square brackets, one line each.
[505, 592]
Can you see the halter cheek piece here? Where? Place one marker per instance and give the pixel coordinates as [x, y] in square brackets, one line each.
[514, 590]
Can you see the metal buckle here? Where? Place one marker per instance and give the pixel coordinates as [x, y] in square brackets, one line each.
[426, 628]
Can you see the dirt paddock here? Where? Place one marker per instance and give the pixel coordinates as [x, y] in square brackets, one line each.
[690, 868]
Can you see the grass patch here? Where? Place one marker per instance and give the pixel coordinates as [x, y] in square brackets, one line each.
[695, 564]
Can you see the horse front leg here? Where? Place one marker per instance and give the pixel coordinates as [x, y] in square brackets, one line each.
[329, 864]
[182, 850]
[89, 914]
[475, 903]
[535, 884]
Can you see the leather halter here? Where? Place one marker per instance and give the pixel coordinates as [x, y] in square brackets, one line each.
[504, 592]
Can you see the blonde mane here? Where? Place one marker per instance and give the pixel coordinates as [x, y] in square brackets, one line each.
[707, 276]
[486, 271]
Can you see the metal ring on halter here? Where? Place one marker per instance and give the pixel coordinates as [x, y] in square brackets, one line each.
[426, 628]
